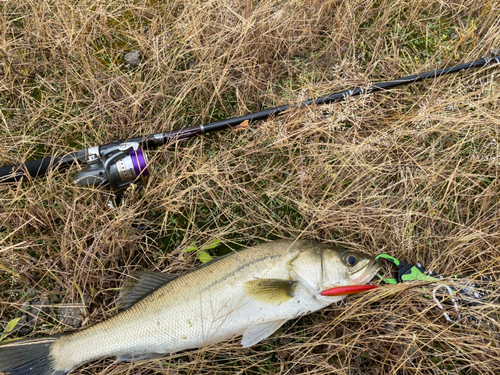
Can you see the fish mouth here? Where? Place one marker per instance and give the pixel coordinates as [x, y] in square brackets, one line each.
[366, 274]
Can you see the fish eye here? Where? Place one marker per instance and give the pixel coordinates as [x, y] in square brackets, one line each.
[350, 259]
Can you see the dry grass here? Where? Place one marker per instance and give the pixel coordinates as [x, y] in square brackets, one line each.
[412, 172]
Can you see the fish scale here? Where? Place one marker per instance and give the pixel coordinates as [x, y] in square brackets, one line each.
[250, 293]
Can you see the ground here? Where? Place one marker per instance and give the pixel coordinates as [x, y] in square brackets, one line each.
[410, 172]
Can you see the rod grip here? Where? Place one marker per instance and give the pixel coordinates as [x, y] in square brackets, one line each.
[36, 168]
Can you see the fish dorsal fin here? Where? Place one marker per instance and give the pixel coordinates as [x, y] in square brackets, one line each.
[258, 332]
[140, 284]
[270, 291]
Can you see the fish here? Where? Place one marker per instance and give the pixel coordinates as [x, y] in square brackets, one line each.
[249, 293]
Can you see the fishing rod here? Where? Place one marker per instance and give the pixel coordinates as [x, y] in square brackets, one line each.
[119, 163]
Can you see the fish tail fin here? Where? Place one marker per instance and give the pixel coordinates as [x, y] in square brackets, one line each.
[28, 357]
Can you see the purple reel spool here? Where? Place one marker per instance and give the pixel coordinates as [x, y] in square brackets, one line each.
[139, 161]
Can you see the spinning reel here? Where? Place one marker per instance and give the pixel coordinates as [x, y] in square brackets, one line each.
[116, 165]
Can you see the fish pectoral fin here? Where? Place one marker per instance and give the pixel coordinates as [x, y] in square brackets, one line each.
[139, 285]
[258, 332]
[270, 291]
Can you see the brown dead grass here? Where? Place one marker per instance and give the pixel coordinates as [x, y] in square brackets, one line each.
[411, 172]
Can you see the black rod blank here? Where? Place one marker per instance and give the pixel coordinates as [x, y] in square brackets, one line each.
[38, 168]
[343, 95]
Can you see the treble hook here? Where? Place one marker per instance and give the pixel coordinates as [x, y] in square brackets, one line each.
[452, 299]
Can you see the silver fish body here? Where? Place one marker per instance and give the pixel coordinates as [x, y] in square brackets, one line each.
[250, 293]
